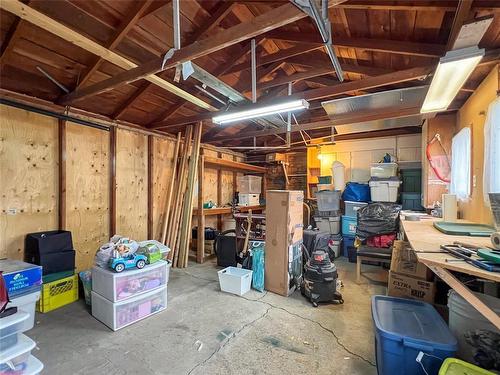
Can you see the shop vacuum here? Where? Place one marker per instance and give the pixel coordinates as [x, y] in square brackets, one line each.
[320, 279]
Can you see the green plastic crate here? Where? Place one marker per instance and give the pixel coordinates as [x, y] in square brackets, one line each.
[412, 180]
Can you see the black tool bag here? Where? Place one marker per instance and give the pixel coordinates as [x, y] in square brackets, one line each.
[210, 233]
[226, 248]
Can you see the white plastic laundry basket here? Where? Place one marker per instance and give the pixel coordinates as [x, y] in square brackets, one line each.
[235, 280]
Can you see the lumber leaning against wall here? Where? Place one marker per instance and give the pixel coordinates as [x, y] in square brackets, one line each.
[29, 188]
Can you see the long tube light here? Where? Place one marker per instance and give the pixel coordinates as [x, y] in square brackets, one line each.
[452, 72]
[261, 111]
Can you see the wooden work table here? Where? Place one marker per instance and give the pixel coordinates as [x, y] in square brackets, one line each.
[426, 241]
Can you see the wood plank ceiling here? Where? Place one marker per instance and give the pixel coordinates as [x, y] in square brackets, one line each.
[373, 38]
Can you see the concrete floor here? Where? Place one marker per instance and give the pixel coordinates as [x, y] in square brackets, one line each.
[205, 331]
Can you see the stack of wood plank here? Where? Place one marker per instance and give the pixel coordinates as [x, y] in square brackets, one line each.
[179, 207]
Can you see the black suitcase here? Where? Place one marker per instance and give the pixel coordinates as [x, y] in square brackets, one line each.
[225, 249]
[53, 241]
[53, 262]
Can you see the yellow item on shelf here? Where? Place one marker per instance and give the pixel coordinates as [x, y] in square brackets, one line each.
[58, 293]
[454, 366]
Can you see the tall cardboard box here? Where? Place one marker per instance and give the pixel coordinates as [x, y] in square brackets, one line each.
[284, 227]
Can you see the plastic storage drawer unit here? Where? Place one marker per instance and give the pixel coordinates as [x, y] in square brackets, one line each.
[328, 224]
[10, 328]
[16, 356]
[403, 329]
[351, 208]
[58, 293]
[249, 184]
[349, 225]
[121, 314]
[119, 286]
[26, 303]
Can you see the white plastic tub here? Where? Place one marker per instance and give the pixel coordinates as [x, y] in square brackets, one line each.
[32, 367]
[249, 184]
[248, 199]
[235, 280]
[13, 324]
[464, 320]
[121, 314]
[130, 283]
[16, 356]
[329, 224]
[383, 170]
[26, 303]
[384, 190]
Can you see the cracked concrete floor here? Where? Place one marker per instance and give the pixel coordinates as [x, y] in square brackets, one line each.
[205, 331]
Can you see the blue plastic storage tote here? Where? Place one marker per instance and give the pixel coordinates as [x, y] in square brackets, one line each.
[349, 225]
[346, 244]
[405, 327]
[356, 192]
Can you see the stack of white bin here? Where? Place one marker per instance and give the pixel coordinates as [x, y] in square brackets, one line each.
[120, 299]
[249, 189]
[23, 282]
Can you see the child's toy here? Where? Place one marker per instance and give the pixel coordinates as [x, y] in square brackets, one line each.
[120, 263]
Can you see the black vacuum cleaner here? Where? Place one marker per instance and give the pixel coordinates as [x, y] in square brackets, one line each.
[320, 279]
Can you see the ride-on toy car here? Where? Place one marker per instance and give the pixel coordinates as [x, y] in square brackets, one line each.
[128, 261]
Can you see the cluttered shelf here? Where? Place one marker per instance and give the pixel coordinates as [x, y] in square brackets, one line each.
[228, 210]
[219, 163]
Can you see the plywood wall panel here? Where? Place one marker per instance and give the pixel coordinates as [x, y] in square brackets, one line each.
[227, 184]
[87, 190]
[131, 184]
[163, 155]
[29, 177]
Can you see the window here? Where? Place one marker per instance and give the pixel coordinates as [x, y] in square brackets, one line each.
[491, 175]
[460, 164]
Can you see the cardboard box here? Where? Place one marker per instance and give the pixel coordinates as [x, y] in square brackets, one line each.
[410, 287]
[404, 262]
[284, 229]
[275, 157]
[248, 199]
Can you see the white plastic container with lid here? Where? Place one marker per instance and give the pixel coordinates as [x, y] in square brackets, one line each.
[127, 284]
[384, 170]
[13, 324]
[384, 190]
[249, 184]
[329, 224]
[16, 357]
[26, 303]
[248, 199]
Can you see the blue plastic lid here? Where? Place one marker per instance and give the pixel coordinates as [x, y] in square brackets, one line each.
[415, 323]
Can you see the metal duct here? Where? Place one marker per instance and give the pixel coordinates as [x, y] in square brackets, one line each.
[394, 123]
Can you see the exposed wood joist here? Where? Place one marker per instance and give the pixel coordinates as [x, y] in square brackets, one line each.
[366, 44]
[131, 100]
[41, 20]
[461, 15]
[273, 19]
[140, 7]
[10, 38]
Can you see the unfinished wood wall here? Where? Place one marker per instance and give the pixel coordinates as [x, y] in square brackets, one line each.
[87, 190]
[28, 177]
[29, 182]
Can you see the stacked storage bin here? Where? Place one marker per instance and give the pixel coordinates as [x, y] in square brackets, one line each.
[384, 183]
[349, 223]
[120, 299]
[53, 250]
[23, 282]
[249, 189]
[411, 189]
[327, 217]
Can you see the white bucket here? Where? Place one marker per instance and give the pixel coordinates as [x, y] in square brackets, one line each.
[235, 280]
[464, 319]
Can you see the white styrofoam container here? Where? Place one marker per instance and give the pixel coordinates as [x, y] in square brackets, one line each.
[26, 303]
[129, 283]
[384, 191]
[248, 199]
[235, 280]
[121, 314]
[384, 170]
[249, 184]
[329, 224]
[17, 355]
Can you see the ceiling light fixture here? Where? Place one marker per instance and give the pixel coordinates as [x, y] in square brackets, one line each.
[260, 111]
[451, 74]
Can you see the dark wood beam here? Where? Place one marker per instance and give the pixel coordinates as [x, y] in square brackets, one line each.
[268, 21]
[461, 15]
[131, 100]
[12, 35]
[121, 31]
[222, 11]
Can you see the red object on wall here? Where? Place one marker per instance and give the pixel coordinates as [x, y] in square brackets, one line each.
[383, 240]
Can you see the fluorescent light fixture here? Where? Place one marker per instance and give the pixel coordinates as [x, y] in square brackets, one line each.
[451, 73]
[261, 111]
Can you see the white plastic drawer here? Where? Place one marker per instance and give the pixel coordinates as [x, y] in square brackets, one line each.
[121, 314]
[130, 283]
[15, 358]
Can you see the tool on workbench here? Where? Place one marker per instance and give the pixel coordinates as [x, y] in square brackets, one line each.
[485, 265]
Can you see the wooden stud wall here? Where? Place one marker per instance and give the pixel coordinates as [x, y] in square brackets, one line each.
[32, 167]
[28, 177]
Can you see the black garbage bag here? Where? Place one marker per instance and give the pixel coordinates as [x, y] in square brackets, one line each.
[377, 218]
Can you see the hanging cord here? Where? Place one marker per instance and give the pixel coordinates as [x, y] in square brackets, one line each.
[437, 138]
[421, 354]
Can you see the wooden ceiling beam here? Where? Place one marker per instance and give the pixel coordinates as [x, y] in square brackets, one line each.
[41, 20]
[461, 15]
[268, 21]
[120, 32]
[366, 44]
[131, 100]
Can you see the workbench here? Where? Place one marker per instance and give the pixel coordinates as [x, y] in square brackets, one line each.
[426, 241]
